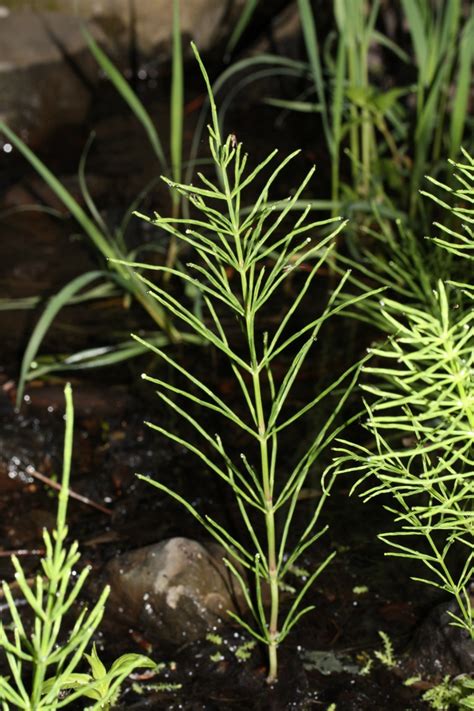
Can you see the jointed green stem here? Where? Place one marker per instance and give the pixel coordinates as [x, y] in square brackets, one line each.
[270, 531]
[266, 474]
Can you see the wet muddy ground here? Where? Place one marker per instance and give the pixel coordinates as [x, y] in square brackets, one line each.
[358, 595]
[326, 660]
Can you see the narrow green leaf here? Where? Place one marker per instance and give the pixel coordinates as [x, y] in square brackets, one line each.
[241, 25]
[129, 96]
[54, 305]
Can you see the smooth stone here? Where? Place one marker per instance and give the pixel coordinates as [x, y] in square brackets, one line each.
[174, 591]
[147, 24]
[46, 78]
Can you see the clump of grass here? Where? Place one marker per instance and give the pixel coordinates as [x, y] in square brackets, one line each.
[395, 134]
[112, 278]
[388, 86]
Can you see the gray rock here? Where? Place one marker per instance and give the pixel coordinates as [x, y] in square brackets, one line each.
[148, 23]
[205, 21]
[46, 72]
[439, 648]
[175, 591]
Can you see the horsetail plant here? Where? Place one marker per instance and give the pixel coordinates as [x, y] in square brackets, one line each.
[242, 258]
[43, 665]
[420, 407]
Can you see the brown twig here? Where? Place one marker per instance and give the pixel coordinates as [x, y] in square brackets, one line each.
[22, 551]
[73, 494]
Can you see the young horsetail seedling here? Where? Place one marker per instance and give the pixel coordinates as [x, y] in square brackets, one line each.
[242, 258]
[44, 662]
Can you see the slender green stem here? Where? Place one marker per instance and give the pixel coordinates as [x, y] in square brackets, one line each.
[366, 129]
[47, 638]
[354, 131]
[273, 568]
[247, 279]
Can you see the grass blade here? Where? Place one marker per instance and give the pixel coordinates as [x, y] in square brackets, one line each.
[129, 96]
[52, 308]
[463, 87]
[64, 195]
[176, 114]
[312, 48]
[242, 24]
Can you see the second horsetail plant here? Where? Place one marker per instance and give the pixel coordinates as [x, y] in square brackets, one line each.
[420, 407]
[242, 258]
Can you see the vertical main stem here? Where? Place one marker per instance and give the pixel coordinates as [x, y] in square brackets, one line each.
[267, 475]
[45, 638]
[273, 631]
